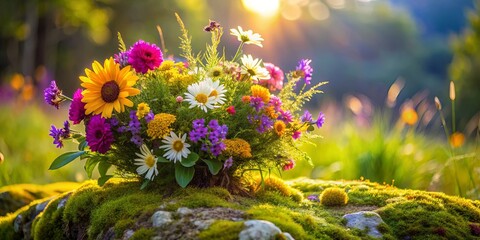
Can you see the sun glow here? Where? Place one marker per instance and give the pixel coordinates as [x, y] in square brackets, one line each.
[266, 8]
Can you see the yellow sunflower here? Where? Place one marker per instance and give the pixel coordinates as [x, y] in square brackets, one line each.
[107, 87]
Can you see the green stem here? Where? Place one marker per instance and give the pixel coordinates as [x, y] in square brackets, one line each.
[453, 117]
[238, 52]
[452, 152]
[65, 97]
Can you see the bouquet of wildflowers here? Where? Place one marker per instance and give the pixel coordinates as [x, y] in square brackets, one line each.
[204, 121]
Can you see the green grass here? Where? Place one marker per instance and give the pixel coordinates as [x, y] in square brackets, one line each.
[27, 147]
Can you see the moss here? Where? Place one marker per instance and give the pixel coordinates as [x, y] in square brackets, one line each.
[123, 225]
[278, 185]
[15, 196]
[423, 219]
[117, 209]
[46, 225]
[222, 230]
[282, 217]
[200, 197]
[143, 233]
[334, 196]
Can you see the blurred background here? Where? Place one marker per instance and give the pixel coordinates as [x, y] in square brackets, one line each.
[385, 61]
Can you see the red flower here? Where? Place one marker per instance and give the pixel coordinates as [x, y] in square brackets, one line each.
[231, 110]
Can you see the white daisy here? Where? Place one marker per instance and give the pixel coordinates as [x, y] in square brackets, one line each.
[247, 37]
[147, 163]
[198, 95]
[252, 67]
[218, 91]
[175, 147]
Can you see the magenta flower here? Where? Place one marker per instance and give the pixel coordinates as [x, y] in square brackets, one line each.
[76, 113]
[52, 94]
[276, 78]
[289, 165]
[144, 56]
[296, 135]
[99, 134]
[305, 70]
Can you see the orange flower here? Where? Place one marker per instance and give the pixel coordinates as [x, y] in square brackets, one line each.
[457, 139]
[409, 116]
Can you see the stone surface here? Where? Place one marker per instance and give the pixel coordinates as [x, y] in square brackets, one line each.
[259, 230]
[183, 211]
[365, 219]
[161, 218]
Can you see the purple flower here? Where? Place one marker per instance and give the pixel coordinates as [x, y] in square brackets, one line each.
[276, 102]
[257, 103]
[216, 136]
[59, 134]
[265, 124]
[228, 163]
[199, 130]
[122, 129]
[134, 125]
[114, 121]
[306, 117]
[305, 70]
[52, 94]
[211, 26]
[150, 116]
[76, 113]
[320, 120]
[144, 56]
[56, 133]
[137, 140]
[99, 135]
[313, 198]
[122, 58]
[285, 116]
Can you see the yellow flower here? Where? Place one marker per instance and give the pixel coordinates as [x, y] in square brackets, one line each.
[107, 87]
[457, 139]
[166, 65]
[262, 92]
[142, 110]
[409, 116]
[159, 127]
[237, 147]
[279, 127]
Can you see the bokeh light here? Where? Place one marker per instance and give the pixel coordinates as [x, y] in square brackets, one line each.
[266, 8]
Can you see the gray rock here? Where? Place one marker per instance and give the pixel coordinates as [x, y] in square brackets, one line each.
[17, 223]
[183, 211]
[365, 219]
[161, 218]
[203, 224]
[258, 230]
[288, 236]
[127, 234]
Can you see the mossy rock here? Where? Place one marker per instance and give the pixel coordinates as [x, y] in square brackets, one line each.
[120, 209]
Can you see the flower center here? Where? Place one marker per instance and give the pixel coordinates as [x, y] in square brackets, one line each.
[216, 73]
[251, 72]
[245, 38]
[110, 91]
[178, 145]
[98, 134]
[201, 98]
[214, 93]
[150, 161]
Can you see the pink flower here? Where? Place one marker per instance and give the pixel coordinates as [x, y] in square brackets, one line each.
[179, 99]
[144, 56]
[76, 113]
[276, 77]
[289, 165]
[296, 135]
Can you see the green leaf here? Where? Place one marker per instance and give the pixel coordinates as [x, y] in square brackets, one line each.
[102, 180]
[190, 160]
[144, 184]
[162, 159]
[82, 145]
[90, 164]
[64, 159]
[183, 175]
[103, 167]
[310, 128]
[213, 165]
